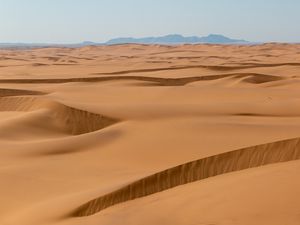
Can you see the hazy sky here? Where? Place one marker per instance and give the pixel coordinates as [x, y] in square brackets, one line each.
[65, 21]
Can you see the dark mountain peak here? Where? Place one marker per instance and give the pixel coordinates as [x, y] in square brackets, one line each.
[173, 36]
[215, 35]
[88, 43]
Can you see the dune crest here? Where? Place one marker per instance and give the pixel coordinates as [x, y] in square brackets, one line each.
[255, 156]
[75, 121]
[5, 92]
[254, 78]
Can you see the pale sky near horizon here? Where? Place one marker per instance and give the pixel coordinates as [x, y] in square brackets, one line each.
[72, 21]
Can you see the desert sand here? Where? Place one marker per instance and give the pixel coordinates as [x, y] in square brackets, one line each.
[150, 134]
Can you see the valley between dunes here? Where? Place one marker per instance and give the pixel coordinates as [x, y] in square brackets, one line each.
[150, 134]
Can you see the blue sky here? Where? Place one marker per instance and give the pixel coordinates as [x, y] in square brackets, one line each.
[70, 21]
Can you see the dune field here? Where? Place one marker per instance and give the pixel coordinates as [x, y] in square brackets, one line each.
[150, 134]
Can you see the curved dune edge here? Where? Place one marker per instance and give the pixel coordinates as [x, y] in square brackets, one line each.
[211, 67]
[255, 156]
[74, 120]
[5, 92]
[255, 78]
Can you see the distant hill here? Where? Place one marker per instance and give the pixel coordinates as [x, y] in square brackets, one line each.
[177, 39]
[168, 39]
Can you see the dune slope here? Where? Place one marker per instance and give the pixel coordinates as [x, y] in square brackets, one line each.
[187, 134]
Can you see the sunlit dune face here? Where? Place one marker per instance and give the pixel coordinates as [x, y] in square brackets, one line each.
[150, 134]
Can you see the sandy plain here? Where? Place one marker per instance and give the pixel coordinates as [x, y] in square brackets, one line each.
[150, 134]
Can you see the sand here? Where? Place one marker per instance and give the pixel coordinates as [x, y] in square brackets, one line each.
[150, 134]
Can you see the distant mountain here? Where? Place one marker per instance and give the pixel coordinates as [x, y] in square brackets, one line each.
[46, 45]
[35, 45]
[168, 39]
[177, 39]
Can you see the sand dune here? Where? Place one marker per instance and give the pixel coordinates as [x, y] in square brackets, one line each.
[16, 92]
[255, 156]
[249, 77]
[187, 134]
[74, 121]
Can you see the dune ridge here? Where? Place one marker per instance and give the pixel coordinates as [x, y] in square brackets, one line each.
[211, 67]
[5, 92]
[255, 78]
[255, 156]
[75, 121]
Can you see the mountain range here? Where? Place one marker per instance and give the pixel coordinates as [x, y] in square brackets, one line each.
[168, 40]
[177, 39]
